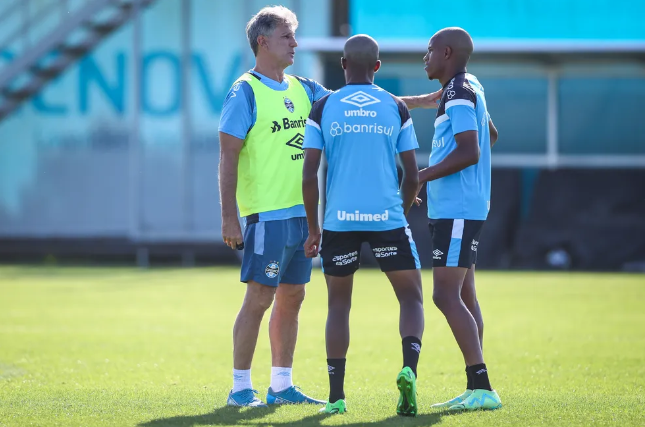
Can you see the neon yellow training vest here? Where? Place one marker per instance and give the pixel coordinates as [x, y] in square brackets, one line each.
[269, 175]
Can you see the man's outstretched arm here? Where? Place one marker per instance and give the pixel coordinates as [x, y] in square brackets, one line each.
[428, 100]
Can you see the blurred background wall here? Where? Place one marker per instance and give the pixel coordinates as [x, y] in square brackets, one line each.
[108, 130]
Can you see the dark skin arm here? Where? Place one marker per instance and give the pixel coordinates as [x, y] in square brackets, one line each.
[410, 180]
[493, 133]
[466, 154]
[310, 197]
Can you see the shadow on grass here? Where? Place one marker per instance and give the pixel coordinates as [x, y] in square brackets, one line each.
[220, 416]
[228, 415]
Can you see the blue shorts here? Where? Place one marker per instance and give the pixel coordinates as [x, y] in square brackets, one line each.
[274, 252]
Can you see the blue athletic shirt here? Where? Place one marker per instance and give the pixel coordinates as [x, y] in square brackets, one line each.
[465, 194]
[361, 127]
[239, 114]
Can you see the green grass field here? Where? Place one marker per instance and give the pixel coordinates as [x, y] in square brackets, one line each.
[123, 347]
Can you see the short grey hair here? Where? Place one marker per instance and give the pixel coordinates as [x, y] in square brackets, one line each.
[264, 22]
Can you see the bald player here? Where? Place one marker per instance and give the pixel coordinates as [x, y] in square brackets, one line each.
[458, 194]
[362, 128]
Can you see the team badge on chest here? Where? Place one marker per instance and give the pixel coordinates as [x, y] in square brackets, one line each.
[289, 105]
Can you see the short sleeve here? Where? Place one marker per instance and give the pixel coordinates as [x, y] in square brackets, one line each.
[237, 113]
[460, 104]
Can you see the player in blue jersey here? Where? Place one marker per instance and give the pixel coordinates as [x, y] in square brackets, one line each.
[264, 112]
[361, 128]
[458, 194]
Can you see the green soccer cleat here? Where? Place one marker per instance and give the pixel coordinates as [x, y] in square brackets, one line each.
[454, 401]
[407, 383]
[479, 399]
[338, 407]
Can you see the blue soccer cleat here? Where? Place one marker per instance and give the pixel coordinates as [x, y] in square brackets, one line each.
[479, 399]
[245, 398]
[291, 396]
[453, 401]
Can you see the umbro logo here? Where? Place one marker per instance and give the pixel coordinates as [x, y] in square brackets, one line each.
[437, 254]
[481, 371]
[296, 141]
[360, 99]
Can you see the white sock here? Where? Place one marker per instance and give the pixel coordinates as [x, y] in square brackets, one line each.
[280, 379]
[241, 380]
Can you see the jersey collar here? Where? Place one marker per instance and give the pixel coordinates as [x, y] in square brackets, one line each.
[461, 72]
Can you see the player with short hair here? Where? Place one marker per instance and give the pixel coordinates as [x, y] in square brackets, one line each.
[361, 128]
[458, 194]
[261, 131]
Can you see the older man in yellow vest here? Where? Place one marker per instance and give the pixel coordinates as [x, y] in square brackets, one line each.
[261, 133]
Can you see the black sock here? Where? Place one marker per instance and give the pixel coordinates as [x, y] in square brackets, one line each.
[469, 380]
[336, 371]
[479, 373]
[411, 351]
